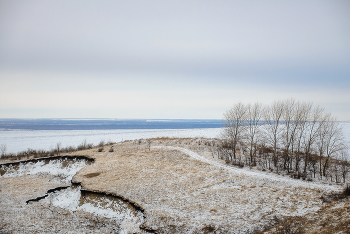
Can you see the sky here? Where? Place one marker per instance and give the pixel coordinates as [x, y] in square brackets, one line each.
[170, 59]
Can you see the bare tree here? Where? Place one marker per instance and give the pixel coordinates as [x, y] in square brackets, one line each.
[302, 112]
[3, 149]
[321, 139]
[334, 142]
[253, 122]
[345, 164]
[273, 117]
[58, 147]
[290, 127]
[313, 126]
[235, 125]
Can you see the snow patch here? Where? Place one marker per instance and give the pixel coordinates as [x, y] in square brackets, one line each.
[260, 175]
[110, 207]
[64, 169]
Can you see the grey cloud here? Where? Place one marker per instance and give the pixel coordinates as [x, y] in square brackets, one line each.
[178, 43]
[82, 33]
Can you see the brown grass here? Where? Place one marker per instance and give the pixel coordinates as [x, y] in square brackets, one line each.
[177, 191]
[161, 178]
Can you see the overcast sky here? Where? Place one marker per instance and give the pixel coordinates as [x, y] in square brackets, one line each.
[170, 59]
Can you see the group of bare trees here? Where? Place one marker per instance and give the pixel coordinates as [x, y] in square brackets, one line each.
[294, 137]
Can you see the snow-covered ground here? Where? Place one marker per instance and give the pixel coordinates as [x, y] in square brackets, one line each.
[71, 198]
[177, 182]
[20, 140]
[256, 174]
[100, 205]
[63, 169]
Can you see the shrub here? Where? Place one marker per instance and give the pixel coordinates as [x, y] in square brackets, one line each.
[346, 191]
[337, 196]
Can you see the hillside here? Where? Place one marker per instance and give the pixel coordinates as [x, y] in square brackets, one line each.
[181, 187]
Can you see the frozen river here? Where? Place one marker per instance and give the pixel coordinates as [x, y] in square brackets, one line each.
[44, 134]
[20, 140]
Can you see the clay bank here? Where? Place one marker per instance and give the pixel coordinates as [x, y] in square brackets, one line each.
[69, 196]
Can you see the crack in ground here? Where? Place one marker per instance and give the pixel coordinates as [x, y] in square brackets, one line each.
[108, 205]
[47, 194]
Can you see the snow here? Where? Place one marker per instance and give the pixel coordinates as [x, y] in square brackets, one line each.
[71, 198]
[260, 175]
[64, 169]
[103, 206]
[67, 199]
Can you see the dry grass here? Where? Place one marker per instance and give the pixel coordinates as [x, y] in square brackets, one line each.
[333, 217]
[182, 195]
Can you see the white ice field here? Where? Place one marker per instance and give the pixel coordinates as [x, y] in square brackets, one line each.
[21, 140]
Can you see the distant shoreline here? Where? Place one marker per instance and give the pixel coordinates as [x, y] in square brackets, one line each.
[105, 124]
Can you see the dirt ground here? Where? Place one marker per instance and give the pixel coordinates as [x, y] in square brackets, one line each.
[178, 193]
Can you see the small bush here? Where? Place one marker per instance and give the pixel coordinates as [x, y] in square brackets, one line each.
[290, 227]
[208, 229]
[111, 149]
[240, 165]
[100, 149]
[102, 143]
[347, 191]
[337, 196]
